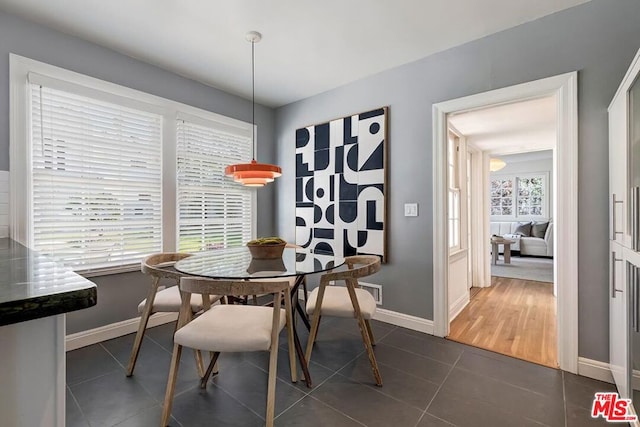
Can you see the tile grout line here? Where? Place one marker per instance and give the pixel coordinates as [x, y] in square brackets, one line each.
[91, 379]
[440, 387]
[73, 396]
[381, 389]
[541, 394]
[241, 403]
[336, 409]
[123, 368]
[417, 354]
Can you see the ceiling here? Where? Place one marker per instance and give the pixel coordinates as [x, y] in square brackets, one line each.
[308, 47]
[510, 128]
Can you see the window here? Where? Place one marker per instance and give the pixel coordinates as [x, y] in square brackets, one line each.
[96, 179]
[502, 196]
[530, 194]
[522, 196]
[454, 191]
[213, 211]
[103, 175]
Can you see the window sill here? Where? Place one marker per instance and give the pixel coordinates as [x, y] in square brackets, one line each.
[457, 254]
[96, 272]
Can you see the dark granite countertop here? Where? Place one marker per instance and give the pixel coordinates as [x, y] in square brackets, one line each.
[34, 286]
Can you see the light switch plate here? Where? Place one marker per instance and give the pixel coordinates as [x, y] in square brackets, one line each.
[410, 209]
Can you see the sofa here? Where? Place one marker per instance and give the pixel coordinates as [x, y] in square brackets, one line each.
[527, 240]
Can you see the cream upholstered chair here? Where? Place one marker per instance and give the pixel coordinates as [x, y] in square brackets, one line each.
[160, 266]
[232, 328]
[346, 301]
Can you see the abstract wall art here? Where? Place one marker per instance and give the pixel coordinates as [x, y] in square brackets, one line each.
[340, 185]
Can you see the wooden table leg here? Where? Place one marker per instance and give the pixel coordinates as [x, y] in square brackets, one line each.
[507, 253]
[494, 252]
[296, 339]
[296, 302]
[302, 359]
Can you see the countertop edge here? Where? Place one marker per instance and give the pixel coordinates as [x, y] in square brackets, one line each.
[47, 305]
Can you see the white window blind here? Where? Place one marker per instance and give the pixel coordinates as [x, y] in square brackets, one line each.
[213, 210]
[96, 182]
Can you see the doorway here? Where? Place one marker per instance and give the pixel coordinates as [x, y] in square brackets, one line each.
[513, 312]
[564, 89]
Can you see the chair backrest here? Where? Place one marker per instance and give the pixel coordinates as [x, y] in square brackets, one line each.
[157, 265]
[359, 266]
[201, 285]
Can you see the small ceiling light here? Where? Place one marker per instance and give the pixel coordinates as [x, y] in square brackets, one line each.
[253, 174]
[496, 165]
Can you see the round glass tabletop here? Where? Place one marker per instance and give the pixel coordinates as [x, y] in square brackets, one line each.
[237, 263]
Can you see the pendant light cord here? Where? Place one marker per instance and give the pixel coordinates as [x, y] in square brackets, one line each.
[253, 99]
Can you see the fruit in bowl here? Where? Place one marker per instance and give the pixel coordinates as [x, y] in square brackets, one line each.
[267, 247]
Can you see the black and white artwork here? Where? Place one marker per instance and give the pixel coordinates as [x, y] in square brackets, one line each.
[340, 185]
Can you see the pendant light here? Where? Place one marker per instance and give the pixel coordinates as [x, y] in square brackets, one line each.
[253, 174]
[496, 164]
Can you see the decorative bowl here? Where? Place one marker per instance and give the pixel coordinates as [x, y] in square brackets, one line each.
[267, 248]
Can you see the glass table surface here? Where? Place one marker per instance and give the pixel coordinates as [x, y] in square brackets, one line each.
[237, 263]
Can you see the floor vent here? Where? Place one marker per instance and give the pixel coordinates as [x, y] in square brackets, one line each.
[375, 290]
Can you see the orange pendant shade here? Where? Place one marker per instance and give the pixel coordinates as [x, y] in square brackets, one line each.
[253, 174]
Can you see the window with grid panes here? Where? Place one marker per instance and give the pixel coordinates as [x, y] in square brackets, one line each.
[519, 196]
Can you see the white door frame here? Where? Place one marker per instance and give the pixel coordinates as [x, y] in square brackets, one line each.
[565, 212]
[480, 259]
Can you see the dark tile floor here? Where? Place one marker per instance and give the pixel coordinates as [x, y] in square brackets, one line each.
[428, 381]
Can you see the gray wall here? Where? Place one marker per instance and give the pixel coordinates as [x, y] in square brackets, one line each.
[599, 39]
[118, 295]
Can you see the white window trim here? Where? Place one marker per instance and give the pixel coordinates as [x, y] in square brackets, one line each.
[21, 69]
[460, 174]
[514, 177]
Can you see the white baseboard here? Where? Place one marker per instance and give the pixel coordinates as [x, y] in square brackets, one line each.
[114, 330]
[405, 320]
[594, 369]
[458, 306]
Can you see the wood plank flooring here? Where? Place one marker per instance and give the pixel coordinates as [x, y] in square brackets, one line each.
[513, 317]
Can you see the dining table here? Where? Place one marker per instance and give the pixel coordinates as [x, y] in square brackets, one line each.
[237, 263]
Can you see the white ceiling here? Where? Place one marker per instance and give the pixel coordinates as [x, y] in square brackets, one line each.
[511, 128]
[308, 47]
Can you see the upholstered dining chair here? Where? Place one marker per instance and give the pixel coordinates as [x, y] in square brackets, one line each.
[160, 266]
[232, 328]
[346, 301]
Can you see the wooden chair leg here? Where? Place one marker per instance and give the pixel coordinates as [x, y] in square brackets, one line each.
[212, 366]
[271, 387]
[199, 362]
[273, 362]
[369, 347]
[370, 331]
[171, 384]
[144, 320]
[364, 330]
[313, 333]
[315, 322]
